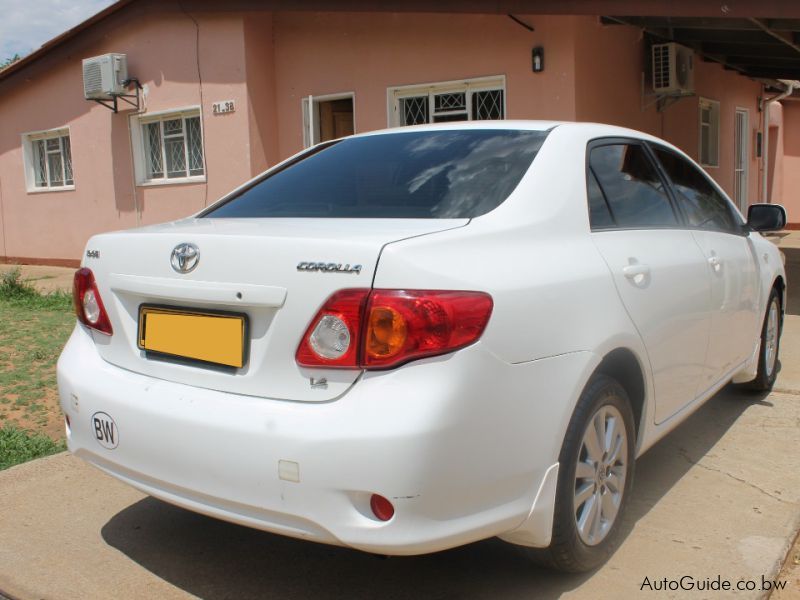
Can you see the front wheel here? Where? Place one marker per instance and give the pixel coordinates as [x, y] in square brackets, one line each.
[595, 478]
[769, 347]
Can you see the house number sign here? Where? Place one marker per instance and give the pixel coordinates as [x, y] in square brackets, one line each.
[224, 107]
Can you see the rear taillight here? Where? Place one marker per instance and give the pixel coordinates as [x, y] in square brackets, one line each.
[386, 328]
[88, 304]
[406, 324]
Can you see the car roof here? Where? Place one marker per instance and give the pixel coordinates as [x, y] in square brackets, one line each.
[589, 129]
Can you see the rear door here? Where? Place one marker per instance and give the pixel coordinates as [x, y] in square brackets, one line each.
[658, 269]
[731, 265]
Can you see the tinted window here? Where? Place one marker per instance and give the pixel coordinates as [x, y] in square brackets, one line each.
[599, 214]
[631, 185]
[703, 204]
[430, 174]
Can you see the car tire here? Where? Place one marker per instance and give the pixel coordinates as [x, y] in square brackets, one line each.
[579, 543]
[769, 346]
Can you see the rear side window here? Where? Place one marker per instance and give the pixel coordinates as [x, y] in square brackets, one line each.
[421, 174]
[599, 213]
[704, 206]
[631, 186]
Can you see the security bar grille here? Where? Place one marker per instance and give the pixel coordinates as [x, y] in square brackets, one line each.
[52, 162]
[740, 160]
[414, 110]
[432, 105]
[173, 147]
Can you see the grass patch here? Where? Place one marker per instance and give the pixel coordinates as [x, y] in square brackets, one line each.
[16, 291]
[18, 446]
[33, 330]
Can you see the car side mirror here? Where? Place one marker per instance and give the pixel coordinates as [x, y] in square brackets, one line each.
[766, 217]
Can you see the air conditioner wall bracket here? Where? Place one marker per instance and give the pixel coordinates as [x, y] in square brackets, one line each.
[133, 100]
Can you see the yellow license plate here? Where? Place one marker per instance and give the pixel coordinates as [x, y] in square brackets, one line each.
[211, 337]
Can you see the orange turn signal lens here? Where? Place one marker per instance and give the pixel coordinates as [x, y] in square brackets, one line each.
[386, 333]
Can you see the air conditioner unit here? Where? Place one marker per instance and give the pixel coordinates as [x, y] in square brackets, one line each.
[103, 76]
[673, 69]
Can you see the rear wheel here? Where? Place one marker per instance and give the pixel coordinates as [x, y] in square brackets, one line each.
[769, 347]
[595, 478]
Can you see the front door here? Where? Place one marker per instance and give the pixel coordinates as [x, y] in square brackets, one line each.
[731, 265]
[335, 119]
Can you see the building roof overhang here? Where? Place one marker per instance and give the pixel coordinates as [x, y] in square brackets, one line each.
[759, 48]
[759, 39]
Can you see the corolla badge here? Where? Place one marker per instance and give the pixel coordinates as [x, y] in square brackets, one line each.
[329, 267]
[185, 257]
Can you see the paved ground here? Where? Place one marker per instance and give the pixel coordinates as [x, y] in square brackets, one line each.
[719, 496]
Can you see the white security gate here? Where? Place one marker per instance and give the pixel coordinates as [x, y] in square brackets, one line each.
[740, 160]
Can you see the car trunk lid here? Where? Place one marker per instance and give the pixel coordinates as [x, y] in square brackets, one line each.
[277, 272]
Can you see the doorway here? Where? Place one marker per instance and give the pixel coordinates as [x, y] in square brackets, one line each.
[327, 118]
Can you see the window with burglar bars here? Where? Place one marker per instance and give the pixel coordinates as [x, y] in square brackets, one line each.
[173, 147]
[50, 157]
[476, 100]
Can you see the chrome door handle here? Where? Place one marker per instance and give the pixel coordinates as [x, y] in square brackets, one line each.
[634, 271]
[715, 262]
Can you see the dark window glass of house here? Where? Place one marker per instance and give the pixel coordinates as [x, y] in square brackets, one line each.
[704, 206]
[429, 174]
[632, 186]
[599, 213]
[487, 105]
[414, 110]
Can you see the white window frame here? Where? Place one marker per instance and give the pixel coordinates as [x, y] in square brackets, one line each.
[139, 148]
[713, 137]
[29, 160]
[477, 84]
[311, 133]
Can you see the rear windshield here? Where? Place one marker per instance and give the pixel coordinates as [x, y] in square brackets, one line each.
[421, 174]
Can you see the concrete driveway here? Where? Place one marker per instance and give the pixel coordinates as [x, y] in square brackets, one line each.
[720, 496]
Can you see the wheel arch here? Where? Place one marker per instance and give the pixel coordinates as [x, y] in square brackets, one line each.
[780, 285]
[623, 365]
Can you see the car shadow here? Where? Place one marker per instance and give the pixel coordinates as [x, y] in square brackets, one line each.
[214, 559]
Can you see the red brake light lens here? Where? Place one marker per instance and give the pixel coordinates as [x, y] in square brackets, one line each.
[381, 329]
[404, 325]
[88, 303]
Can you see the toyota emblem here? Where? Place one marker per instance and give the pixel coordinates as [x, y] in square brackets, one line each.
[185, 258]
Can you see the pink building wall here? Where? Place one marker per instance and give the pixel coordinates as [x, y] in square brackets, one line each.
[608, 82]
[775, 164]
[162, 49]
[366, 53]
[268, 62]
[789, 193]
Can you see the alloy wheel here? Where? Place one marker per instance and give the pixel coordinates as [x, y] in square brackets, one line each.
[600, 475]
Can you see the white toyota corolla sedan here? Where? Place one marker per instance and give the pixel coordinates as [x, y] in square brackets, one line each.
[413, 339]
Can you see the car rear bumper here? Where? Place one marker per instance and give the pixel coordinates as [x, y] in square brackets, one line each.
[459, 444]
